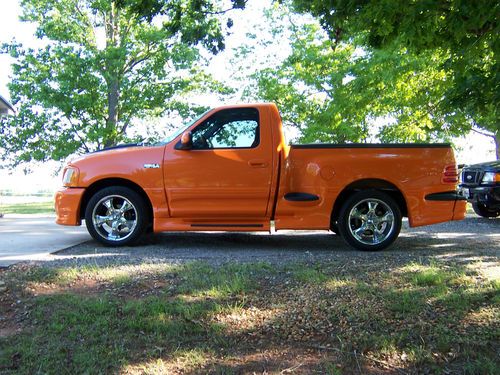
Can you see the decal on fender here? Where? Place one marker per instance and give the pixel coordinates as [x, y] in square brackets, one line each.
[152, 166]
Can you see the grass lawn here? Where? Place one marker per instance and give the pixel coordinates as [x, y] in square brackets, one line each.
[28, 208]
[328, 318]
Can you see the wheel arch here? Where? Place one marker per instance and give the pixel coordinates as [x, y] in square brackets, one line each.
[109, 182]
[369, 184]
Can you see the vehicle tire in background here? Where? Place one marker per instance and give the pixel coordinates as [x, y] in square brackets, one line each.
[116, 216]
[369, 220]
[482, 210]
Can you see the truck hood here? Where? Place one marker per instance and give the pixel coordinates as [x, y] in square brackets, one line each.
[487, 165]
[127, 154]
[120, 151]
[140, 164]
[125, 145]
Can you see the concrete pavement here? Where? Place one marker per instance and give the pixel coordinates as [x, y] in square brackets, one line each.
[34, 237]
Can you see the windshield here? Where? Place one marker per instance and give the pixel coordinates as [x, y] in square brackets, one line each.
[179, 131]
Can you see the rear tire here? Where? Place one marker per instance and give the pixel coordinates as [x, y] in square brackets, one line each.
[369, 220]
[116, 216]
[482, 210]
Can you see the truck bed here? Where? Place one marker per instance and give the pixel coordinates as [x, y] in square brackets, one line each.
[370, 145]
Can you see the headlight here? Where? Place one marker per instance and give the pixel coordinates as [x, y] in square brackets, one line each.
[491, 177]
[70, 176]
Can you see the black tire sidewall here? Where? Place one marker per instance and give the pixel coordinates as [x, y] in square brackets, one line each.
[353, 200]
[134, 198]
[482, 210]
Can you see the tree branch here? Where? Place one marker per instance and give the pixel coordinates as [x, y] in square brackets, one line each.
[475, 129]
[226, 10]
[136, 60]
[337, 39]
[73, 128]
[133, 63]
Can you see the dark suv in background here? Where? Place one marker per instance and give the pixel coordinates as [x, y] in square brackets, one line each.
[480, 184]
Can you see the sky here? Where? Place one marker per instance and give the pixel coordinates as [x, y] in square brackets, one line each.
[473, 148]
[44, 176]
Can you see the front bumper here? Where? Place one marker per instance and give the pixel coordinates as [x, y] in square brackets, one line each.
[67, 204]
[487, 195]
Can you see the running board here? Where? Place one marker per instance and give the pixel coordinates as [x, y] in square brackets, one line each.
[212, 225]
[217, 224]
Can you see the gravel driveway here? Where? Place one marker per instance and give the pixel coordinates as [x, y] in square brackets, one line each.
[470, 240]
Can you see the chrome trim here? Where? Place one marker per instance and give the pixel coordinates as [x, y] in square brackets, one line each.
[152, 166]
[371, 221]
[114, 218]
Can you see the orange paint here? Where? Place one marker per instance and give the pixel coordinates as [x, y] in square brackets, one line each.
[246, 188]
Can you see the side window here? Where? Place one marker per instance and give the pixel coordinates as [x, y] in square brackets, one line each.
[228, 128]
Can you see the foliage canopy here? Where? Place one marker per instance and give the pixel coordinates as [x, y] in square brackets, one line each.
[463, 34]
[338, 92]
[105, 64]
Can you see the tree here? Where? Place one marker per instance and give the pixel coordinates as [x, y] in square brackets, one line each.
[337, 92]
[464, 33]
[308, 88]
[105, 64]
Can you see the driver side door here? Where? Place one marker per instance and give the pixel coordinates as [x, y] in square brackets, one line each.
[227, 173]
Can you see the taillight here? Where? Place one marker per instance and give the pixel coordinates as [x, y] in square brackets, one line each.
[450, 174]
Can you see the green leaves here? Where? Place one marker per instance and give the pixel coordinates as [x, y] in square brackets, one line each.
[105, 65]
[340, 92]
[452, 47]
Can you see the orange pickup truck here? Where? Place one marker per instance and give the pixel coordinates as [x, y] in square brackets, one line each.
[231, 170]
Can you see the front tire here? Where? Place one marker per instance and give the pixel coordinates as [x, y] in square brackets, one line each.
[483, 210]
[116, 216]
[369, 220]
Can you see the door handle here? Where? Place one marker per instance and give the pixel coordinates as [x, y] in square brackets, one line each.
[257, 163]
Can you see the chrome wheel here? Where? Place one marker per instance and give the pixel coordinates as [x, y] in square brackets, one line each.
[371, 221]
[114, 218]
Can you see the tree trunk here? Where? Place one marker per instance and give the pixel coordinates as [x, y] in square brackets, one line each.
[113, 77]
[496, 137]
[112, 120]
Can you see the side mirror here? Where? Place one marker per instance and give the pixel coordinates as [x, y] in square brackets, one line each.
[186, 141]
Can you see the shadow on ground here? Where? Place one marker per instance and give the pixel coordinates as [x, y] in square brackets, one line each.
[468, 239]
